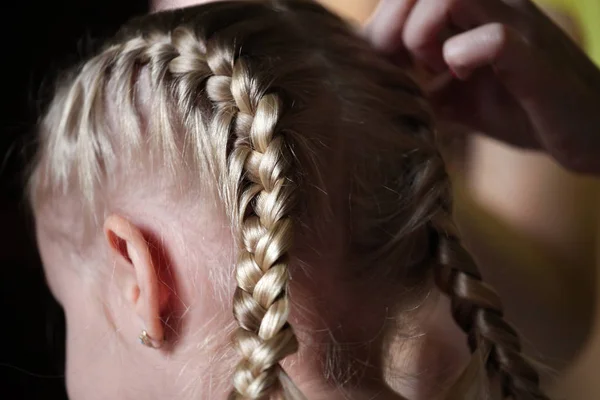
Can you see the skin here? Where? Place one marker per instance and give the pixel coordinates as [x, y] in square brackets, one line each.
[148, 280]
[543, 215]
[151, 268]
[133, 277]
[506, 193]
[543, 84]
[159, 265]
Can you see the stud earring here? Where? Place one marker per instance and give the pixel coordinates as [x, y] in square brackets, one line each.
[146, 340]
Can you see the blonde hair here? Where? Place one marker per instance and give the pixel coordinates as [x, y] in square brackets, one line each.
[296, 122]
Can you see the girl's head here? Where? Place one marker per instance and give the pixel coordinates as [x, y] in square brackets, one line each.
[255, 156]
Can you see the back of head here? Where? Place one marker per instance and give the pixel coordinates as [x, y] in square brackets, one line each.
[314, 147]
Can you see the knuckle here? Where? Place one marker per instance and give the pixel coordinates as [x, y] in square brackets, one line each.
[413, 40]
[418, 36]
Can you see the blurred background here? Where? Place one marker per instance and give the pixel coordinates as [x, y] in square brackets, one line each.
[526, 216]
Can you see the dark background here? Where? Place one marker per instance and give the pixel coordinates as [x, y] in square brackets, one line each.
[38, 39]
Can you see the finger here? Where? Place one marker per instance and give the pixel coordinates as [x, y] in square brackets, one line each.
[384, 27]
[160, 5]
[430, 22]
[423, 30]
[486, 108]
[501, 54]
[495, 45]
[560, 107]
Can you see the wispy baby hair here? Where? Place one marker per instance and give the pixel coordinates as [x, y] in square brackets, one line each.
[294, 122]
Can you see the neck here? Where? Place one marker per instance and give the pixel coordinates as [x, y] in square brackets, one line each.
[332, 364]
[362, 363]
[368, 393]
[345, 349]
[334, 370]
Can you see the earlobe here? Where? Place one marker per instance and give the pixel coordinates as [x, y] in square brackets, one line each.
[143, 289]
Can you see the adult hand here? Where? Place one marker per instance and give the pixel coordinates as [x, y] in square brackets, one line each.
[160, 5]
[519, 78]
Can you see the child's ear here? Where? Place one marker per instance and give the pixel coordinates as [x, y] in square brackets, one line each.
[138, 274]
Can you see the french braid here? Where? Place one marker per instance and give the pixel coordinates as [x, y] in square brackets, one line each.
[478, 310]
[259, 162]
[214, 87]
[476, 307]
[207, 84]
